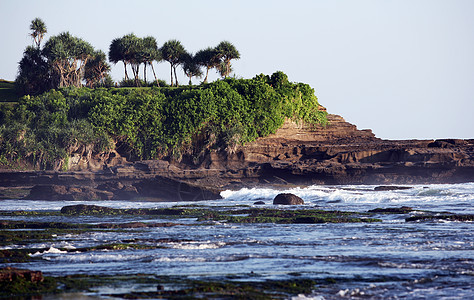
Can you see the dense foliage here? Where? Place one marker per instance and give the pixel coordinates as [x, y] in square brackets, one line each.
[147, 123]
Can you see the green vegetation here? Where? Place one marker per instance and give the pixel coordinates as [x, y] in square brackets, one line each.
[151, 123]
[8, 92]
[59, 117]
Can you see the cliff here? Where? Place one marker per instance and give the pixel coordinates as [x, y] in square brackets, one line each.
[294, 155]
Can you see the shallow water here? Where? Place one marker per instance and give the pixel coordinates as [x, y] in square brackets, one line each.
[387, 260]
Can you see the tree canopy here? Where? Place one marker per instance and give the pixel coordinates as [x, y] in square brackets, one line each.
[66, 60]
[38, 30]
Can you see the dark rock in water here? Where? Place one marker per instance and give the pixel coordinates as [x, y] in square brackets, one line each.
[447, 217]
[391, 188]
[82, 209]
[392, 210]
[287, 199]
[259, 203]
[10, 274]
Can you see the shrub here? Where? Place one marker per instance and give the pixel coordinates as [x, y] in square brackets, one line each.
[149, 123]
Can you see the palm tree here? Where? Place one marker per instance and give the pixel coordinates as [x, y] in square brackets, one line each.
[96, 69]
[173, 52]
[117, 53]
[207, 58]
[68, 55]
[150, 54]
[190, 67]
[132, 54]
[226, 52]
[38, 29]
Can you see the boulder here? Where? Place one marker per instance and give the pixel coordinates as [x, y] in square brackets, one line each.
[259, 203]
[287, 199]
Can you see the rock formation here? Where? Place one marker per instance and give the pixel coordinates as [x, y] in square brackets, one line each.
[296, 154]
[287, 199]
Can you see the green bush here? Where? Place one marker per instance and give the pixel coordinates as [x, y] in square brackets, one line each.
[152, 122]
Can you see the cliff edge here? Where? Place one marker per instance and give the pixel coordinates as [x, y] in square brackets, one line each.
[295, 155]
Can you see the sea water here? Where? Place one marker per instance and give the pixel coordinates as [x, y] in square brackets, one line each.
[387, 260]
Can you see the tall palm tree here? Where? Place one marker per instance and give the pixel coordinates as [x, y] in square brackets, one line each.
[207, 58]
[38, 29]
[190, 67]
[173, 52]
[116, 54]
[150, 54]
[226, 52]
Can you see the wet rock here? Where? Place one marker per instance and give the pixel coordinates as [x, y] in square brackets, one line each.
[82, 209]
[287, 199]
[259, 203]
[10, 274]
[391, 188]
[392, 210]
[447, 217]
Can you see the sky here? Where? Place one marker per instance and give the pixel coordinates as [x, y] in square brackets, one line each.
[403, 68]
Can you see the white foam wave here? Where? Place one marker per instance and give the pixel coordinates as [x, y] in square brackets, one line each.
[51, 250]
[99, 257]
[360, 194]
[196, 245]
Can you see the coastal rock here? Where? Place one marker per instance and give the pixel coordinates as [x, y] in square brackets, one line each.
[392, 210]
[61, 192]
[296, 154]
[9, 274]
[287, 199]
[391, 188]
[82, 209]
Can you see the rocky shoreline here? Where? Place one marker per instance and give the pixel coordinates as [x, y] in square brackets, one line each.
[294, 155]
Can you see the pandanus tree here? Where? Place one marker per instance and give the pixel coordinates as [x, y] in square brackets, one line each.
[173, 52]
[96, 69]
[123, 49]
[68, 56]
[117, 53]
[226, 51]
[191, 67]
[33, 72]
[150, 53]
[38, 30]
[207, 58]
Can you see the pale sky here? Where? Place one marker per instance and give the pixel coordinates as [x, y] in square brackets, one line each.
[403, 68]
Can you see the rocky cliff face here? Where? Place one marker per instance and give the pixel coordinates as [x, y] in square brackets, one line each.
[295, 154]
[342, 154]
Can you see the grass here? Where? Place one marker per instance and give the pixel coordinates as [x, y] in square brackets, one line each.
[7, 91]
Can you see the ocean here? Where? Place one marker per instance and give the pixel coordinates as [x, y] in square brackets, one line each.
[392, 259]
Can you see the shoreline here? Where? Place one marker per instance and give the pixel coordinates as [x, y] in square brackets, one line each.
[338, 154]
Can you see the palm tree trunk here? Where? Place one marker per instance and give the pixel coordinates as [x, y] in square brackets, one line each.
[207, 73]
[171, 75]
[175, 76]
[144, 73]
[125, 66]
[156, 79]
